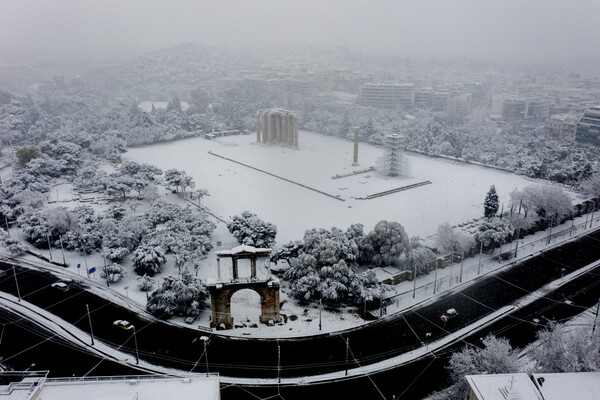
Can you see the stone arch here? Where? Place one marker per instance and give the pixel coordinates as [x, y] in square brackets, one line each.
[221, 291]
[220, 299]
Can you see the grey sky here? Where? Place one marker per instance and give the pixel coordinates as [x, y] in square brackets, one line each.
[528, 30]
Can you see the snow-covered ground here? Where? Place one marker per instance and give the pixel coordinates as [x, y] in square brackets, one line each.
[455, 195]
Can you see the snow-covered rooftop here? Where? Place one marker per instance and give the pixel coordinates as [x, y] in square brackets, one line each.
[579, 385]
[121, 388]
[242, 249]
[503, 387]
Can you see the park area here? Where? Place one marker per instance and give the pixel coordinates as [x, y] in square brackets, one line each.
[242, 175]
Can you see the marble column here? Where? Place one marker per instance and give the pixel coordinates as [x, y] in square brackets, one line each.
[278, 127]
[265, 116]
[296, 132]
[290, 140]
[355, 163]
[284, 128]
[258, 127]
[269, 128]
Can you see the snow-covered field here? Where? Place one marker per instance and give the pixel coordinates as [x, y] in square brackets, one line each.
[455, 195]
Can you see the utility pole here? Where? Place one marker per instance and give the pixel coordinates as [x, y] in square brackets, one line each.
[347, 350]
[63, 250]
[415, 280]
[435, 276]
[49, 247]
[592, 217]
[107, 274]
[17, 283]
[596, 319]
[90, 320]
[550, 231]
[137, 356]
[480, 252]
[320, 309]
[7, 227]
[278, 364]
[517, 245]
[572, 226]
[462, 260]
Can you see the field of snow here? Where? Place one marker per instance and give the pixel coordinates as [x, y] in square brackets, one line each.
[455, 195]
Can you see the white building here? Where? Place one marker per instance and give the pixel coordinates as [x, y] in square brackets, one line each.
[565, 386]
[387, 95]
[34, 385]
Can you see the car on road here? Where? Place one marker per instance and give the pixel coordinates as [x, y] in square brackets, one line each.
[2, 273]
[60, 286]
[451, 313]
[121, 323]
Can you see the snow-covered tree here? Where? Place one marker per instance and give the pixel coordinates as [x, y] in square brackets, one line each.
[250, 230]
[496, 357]
[26, 154]
[572, 350]
[178, 179]
[385, 244]
[494, 231]
[148, 259]
[324, 266]
[419, 257]
[491, 203]
[145, 283]
[449, 240]
[591, 186]
[286, 252]
[113, 272]
[46, 224]
[178, 295]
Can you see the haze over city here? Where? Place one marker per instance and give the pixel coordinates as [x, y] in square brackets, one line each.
[536, 31]
[267, 199]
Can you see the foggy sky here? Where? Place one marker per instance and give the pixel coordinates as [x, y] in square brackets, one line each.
[529, 30]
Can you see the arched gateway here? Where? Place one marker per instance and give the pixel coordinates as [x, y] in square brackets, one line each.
[221, 290]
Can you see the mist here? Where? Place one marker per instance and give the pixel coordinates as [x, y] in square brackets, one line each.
[531, 31]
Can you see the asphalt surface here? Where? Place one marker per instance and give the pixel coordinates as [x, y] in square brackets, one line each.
[173, 346]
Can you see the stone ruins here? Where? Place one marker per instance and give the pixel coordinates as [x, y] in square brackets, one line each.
[276, 125]
[222, 290]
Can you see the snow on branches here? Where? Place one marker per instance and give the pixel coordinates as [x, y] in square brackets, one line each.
[250, 230]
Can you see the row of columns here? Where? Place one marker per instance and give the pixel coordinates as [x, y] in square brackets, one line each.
[277, 126]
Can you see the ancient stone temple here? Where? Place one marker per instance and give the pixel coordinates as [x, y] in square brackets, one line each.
[276, 125]
[221, 290]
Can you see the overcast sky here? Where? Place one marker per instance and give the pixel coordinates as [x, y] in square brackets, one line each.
[529, 30]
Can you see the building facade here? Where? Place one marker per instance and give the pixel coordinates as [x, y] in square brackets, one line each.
[388, 95]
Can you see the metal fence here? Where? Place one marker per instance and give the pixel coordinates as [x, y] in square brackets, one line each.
[449, 276]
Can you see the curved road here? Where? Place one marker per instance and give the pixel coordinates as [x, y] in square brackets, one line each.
[172, 346]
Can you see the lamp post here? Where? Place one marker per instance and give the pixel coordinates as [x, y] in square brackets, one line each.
[205, 339]
[137, 356]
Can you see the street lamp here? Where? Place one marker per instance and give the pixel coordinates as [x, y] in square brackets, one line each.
[205, 339]
[137, 356]
[126, 326]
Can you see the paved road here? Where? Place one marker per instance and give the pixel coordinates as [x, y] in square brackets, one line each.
[172, 346]
[415, 380]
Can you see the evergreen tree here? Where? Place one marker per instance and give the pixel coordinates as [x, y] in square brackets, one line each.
[344, 126]
[491, 203]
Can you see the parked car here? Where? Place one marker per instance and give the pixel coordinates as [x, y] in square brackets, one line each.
[2, 273]
[61, 286]
[121, 323]
[451, 313]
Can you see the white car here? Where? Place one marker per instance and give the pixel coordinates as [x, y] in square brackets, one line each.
[451, 313]
[121, 323]
[61, 286]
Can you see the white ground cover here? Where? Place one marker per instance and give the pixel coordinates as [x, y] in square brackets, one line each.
[456, 194]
